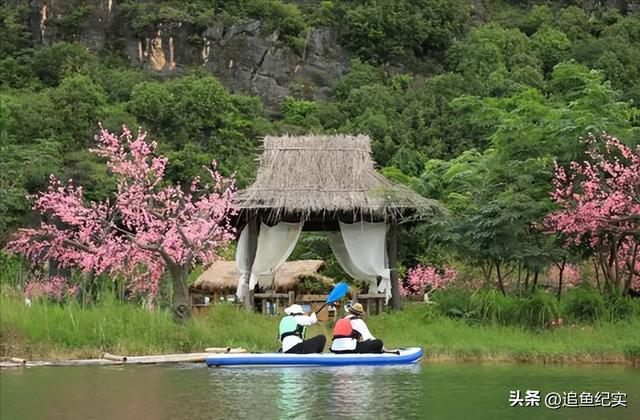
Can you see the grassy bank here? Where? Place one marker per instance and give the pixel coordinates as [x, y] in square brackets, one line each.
[46, 331]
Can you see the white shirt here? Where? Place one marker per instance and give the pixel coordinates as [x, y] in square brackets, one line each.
[359, 325]
[291, 340]
[347, 343]
[341, 344]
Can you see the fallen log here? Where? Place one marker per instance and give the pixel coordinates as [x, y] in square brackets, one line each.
[114, 357]
[168, 358]
[110, 359]
[10, 365]
[231, 350]
[73, 362]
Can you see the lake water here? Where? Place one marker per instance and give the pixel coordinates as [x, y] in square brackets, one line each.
[193, 391]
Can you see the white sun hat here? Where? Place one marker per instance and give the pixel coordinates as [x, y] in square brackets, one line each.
[294, 309]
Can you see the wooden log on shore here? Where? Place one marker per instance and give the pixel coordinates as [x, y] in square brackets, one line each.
[110, 359]
[114, 357]
[168, 358]
[9, 364]
[74, 362]
[231, 350]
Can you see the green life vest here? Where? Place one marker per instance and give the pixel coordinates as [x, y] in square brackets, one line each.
[289, 326]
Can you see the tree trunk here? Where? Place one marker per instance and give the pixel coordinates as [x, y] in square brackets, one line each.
[180, 299]
[615, 245]
[85, 294]
[487, 273]
[631, 266]
[392, 253]
[534, 285]
[500, 283]
[561, 272]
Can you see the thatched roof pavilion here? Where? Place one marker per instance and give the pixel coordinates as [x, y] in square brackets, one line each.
[320, 177]
[325, 181]
[223, 276]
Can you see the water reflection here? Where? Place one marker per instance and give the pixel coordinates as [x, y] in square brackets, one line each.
[195, 392]
[345, 392]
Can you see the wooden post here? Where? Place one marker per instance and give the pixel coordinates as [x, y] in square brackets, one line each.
[392, 252]
[247, 298]
[354, 295]
[253, 232]
[292, 297]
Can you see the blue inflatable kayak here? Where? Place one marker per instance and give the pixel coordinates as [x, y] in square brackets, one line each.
[400, 356]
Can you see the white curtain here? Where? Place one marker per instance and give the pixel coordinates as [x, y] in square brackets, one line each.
[241, 262]
[275, 244]
[360, 248]
[340, 251]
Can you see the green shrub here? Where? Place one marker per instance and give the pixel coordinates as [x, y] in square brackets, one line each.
[621, 307]
[454, 302]
[583, 303]
[295, 110]
[10, 267]
[538, 309]
[379, 30]
[52, 63]
[491, 305]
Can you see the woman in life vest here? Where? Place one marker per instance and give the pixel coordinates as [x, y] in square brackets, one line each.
[292, 331]
[351, 334]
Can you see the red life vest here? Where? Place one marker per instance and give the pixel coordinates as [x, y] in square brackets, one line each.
[343, 329]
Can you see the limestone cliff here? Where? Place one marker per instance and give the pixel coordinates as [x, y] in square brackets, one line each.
[242, 55]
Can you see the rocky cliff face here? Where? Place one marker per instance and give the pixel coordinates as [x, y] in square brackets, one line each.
[242, 55]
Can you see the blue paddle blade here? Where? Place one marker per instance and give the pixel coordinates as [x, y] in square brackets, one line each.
[338, 292]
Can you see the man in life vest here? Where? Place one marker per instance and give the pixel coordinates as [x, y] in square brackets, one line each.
[351, 334]
[292, 331]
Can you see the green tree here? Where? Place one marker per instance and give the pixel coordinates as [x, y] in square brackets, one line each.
[79, 103]
[379, 30]
[52, 63]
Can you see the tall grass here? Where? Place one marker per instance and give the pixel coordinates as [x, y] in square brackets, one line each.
[443, 336]
[581, 304]
[48, 330]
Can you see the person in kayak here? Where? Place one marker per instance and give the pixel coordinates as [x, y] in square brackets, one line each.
[351, 334]
[292, 332]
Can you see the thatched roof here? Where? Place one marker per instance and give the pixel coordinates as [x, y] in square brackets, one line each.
[319, 174]
[223, 275]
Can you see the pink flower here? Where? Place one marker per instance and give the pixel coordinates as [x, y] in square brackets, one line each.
[146, 226]
[599, 205]
[421, 278]
[56, 288]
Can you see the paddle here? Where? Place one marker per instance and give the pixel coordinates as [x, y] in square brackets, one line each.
[335, 295]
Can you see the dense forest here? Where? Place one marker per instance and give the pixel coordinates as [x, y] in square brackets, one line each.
[468, 102]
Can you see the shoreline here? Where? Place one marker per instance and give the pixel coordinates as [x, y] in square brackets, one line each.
[614, 359]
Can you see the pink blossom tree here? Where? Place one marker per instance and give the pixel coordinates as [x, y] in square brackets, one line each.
[599, 206]
[147, 228]
[54, 287]
[425, 279]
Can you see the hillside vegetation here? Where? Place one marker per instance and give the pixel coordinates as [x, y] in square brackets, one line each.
[469, 103]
